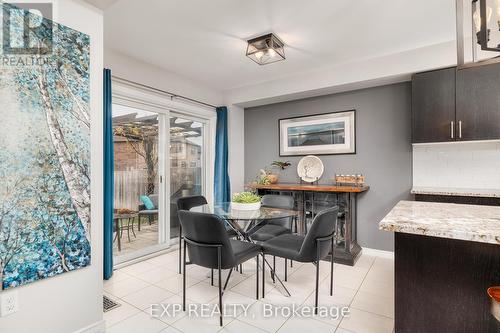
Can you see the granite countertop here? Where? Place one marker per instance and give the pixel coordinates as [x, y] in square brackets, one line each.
[465, 192]
[446, 220]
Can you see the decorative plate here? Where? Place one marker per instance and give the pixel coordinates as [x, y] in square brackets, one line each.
[310, 168]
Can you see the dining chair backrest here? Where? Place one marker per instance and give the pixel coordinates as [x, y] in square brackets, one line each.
[323, 225]
[186, 203]
[279, 201]
[202, 233]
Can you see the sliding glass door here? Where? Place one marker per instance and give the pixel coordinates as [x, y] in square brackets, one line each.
[138, 182]
[187, 162]
[164, 150]
[160, 156]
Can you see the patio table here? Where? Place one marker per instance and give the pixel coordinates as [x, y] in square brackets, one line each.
[117, 217]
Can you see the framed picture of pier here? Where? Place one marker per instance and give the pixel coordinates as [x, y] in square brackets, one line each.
[320, 134]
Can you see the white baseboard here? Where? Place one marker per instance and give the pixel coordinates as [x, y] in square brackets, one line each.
[126, 262]
[99, 327]
[378, 253]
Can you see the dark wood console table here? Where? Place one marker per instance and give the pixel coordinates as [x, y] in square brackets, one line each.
[311, 199]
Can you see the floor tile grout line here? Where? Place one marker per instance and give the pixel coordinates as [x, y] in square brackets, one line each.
[301, 304]
[272, 287]
[144, 311]
[357, 290]
[374, 313]
[173, 294]
[135, 314]
[133, 292]
[310, 294]
[153, 282]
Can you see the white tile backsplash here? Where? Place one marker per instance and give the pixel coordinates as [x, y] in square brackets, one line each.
[457, 165]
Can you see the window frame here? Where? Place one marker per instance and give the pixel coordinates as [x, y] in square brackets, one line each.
[132, 95]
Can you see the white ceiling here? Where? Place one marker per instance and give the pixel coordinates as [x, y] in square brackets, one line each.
[205, 40]
[102, 4]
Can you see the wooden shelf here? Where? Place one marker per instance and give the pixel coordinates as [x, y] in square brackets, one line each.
[313, 188]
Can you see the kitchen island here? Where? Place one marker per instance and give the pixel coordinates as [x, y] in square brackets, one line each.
[446, 257]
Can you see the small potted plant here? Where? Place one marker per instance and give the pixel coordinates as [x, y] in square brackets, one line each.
[281, 166]
[265, 177]
[245, 201]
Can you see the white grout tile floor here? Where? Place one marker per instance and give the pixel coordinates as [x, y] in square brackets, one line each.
[367, 289]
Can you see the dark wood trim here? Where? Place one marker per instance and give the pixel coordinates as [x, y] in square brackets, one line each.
[310, 188]
[346, 258]
[466, 200]
[441, 284]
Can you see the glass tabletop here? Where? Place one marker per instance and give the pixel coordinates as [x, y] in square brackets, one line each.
[225, 211]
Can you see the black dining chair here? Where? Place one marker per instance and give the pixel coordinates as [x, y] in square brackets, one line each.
[275, 227]
[186, 203]
[209, 246]
[308, 249]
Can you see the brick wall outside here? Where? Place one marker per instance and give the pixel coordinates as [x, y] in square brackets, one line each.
[126, 158]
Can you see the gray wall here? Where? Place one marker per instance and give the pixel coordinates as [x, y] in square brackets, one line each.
[383, 149]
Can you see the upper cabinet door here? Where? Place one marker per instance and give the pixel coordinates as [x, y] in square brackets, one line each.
[433, 106]
[478, 103]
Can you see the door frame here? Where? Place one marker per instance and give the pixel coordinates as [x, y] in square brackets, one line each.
[129, 94]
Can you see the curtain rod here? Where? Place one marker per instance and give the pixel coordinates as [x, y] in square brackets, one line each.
[163, 91]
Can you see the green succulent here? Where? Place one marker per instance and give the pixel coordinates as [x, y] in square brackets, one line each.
[245, 197]
[263, 177]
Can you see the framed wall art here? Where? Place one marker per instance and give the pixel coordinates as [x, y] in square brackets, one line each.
[45, 157]
[321, 134]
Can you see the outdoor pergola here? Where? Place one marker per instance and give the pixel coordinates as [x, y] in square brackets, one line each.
[142, 134]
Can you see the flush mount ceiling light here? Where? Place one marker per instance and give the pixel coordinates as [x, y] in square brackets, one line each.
[266, 49]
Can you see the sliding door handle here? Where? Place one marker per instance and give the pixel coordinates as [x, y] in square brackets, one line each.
[452, 129]
[459, 129]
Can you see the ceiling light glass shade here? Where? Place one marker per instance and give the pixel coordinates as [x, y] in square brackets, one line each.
[486, 20]
[266, 49]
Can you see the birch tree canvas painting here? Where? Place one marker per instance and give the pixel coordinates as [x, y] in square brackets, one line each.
[45, 159]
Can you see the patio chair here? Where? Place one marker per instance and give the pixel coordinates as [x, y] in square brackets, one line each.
[149, 213]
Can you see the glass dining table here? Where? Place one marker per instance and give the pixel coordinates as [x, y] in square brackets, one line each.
[243, 222]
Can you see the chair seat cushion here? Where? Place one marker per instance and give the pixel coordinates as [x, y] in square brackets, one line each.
[269, 231]
[244, 250]
[285, 246]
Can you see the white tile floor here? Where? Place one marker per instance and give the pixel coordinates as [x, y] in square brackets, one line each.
[367, 289]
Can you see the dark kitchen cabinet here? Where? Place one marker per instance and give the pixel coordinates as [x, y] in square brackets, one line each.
[478, 103]
[433, 106]
[456, 105]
